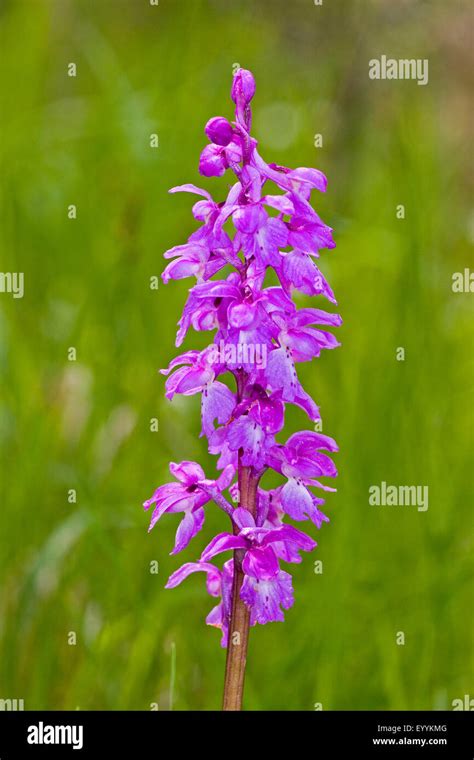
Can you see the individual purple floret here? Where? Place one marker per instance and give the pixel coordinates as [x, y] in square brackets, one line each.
[218, 583]
[265, 222]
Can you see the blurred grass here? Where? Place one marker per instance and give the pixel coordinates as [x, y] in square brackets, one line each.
[85, 567]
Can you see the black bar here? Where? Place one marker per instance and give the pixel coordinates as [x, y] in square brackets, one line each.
[315, 734]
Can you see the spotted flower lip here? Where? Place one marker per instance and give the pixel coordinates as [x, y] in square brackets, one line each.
[263, 225]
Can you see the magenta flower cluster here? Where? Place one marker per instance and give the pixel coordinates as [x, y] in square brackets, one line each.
[251, 231]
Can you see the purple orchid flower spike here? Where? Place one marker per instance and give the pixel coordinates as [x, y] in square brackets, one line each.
[260, 337]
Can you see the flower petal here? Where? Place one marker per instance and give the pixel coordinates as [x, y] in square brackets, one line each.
[187, 472]
[222, 543]
[243, 518]
[191, 524]
[190, 188]
[213, 576]
[308, 440]
[260, 563]
[291, 534]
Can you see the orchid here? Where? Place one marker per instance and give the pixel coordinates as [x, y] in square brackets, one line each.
[252, 230]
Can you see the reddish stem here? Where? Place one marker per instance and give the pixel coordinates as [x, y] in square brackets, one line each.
[240, 615]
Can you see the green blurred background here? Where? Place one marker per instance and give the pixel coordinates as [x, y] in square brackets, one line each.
[84, 567]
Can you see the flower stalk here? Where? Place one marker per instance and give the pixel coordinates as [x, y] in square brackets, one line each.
[239, 626]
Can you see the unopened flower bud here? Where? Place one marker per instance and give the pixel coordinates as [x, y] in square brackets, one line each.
[219, 131]
[243, 87]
